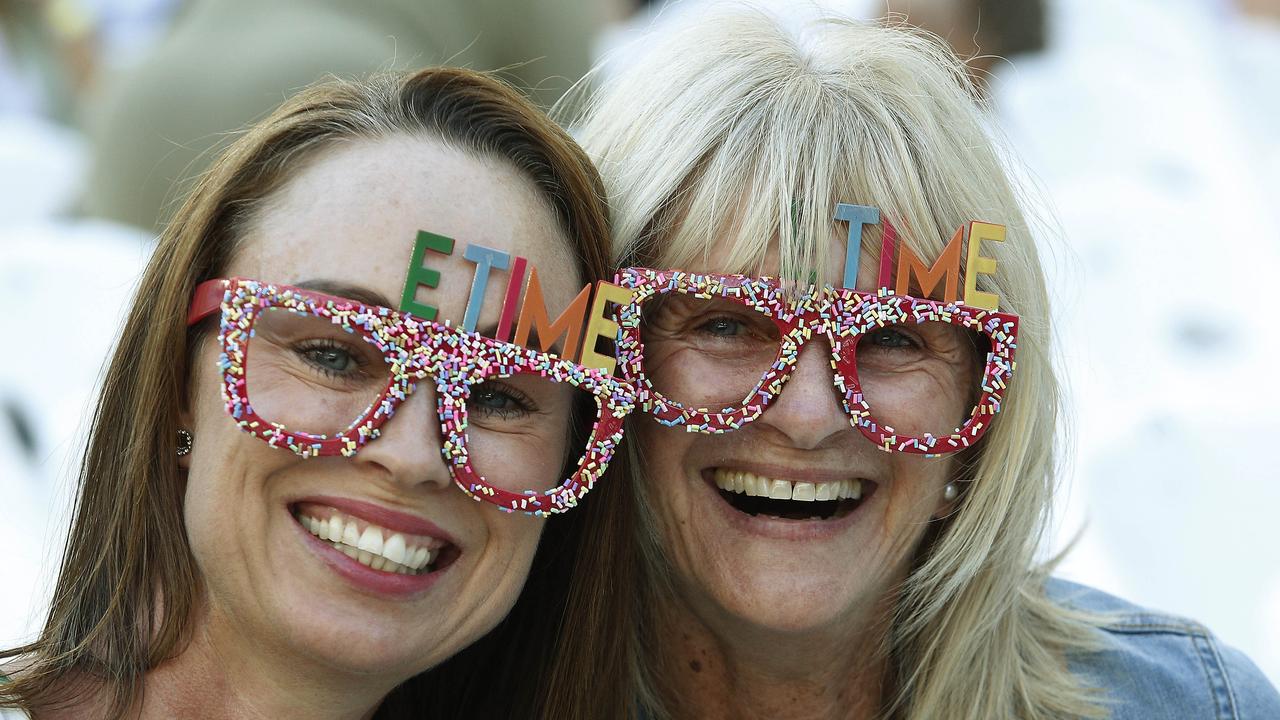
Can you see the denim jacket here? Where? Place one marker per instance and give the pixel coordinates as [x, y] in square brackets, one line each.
[1162, 667]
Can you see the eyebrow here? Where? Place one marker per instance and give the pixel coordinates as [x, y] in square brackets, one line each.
[336, 288]
[365, 296]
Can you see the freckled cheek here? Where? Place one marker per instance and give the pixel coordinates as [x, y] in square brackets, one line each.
[658, 369]
[914, 493]
[663, 456]
[226, 501]
[517, 461]
[210, 422]
[506, 553]
[933, 400]
[228, 493]
[213, 524]
[512, 539]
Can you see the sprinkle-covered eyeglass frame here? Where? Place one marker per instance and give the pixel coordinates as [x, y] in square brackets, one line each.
[841, 315]
[413, 349]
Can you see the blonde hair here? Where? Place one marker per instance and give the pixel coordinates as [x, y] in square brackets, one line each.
[736, 129]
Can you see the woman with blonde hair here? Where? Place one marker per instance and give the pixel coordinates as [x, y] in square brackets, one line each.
[842, 496]
[292, 500]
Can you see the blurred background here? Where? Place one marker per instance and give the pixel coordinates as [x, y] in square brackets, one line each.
[1148, 128]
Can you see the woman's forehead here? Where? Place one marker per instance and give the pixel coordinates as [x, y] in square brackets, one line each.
[736, 215]
[353, 213]
[731, 251]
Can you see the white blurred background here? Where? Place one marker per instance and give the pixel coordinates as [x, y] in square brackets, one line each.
[1150, 127]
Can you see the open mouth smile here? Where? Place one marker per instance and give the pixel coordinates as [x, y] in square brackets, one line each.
[782, 499]
[372, 555]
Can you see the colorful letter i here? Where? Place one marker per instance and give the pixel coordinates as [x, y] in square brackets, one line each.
[511, 301]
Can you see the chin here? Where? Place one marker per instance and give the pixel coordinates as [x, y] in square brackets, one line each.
[787, 598]
[339, 635]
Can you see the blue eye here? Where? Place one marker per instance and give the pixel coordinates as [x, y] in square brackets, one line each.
[329, 358]
[500, 399]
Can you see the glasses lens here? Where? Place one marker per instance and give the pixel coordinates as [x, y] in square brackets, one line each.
[921, 378]
[309, 374]
[706, 353]
[526, 431]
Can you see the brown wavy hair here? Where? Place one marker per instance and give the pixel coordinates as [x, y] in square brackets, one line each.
[128, 582]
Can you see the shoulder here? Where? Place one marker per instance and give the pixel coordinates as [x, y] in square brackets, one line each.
[1153, 665]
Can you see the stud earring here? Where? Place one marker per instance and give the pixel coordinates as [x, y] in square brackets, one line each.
[951, 491]
[185, 441]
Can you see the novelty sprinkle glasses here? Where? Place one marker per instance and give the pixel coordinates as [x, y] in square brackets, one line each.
[320, 375]
[709, 352]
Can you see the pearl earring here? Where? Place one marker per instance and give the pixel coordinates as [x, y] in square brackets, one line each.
[951, 491]
[185, 441]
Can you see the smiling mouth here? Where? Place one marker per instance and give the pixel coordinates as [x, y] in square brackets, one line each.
[373, 546]
[757, 495]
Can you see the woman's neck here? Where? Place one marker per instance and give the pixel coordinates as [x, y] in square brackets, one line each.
[715, 667]
[221, 674]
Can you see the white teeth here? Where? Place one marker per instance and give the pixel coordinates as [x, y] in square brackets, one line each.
[392, 554]
[781, 490]
[394, 549]
[371, 541]
[737, 481]
[853, 489]
[419, 558]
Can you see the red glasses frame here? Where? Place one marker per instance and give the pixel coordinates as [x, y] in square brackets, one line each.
[413, 349]
[839, 314]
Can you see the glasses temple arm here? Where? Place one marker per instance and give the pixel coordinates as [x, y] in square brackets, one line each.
[206, 300]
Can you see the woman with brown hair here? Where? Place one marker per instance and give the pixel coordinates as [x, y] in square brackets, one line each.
[209, 573]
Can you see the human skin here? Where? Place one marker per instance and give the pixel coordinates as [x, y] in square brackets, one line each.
[787, 618]
[280, 632]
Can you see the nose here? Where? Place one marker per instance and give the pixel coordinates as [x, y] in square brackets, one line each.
[407, 449]
[808, 411]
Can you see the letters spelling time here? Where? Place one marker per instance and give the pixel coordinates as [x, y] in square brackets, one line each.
[945, 270]
[580, 345]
